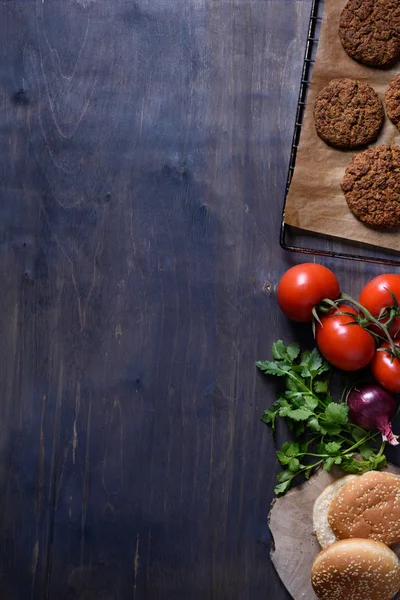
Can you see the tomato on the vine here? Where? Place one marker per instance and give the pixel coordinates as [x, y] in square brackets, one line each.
[386, 368]
[344, 343]
[375, 296]
[302, 287]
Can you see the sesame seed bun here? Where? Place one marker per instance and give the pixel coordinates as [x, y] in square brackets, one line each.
[322, 529]
[356, 569]
[367, 507]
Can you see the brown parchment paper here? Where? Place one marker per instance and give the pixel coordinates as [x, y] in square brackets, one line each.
[315, 201]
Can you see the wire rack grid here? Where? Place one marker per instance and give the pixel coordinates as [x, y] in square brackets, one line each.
[308, 64]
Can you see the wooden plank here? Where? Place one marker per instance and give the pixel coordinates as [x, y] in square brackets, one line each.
[143, 158]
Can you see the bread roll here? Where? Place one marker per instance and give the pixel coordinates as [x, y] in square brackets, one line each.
[367, 507]
[356, 569]
[322, 529]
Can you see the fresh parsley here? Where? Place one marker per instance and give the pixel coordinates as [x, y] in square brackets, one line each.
[324, 435]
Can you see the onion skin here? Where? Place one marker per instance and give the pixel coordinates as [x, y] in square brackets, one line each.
[372, 407]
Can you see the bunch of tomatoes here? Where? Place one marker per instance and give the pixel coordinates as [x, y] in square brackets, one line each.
[351, 334]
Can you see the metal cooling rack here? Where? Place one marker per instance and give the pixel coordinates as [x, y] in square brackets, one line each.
[317, 8]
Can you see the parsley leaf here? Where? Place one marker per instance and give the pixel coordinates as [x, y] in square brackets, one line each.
[283, 459]
[290, 448]
[293, 351]
[324, 437]
[300, 414]
[314, 361]
[337, 413]
[355, 466]
[269, 417]
[328, 464]
[284, 408]
[313, 424]
[294, 465]
[366, 451]
[321, 386]
[377, 462]
[330, 428]
[274, 368]
[284, 476]
[279, 351]
[281, 488]
[310, 402]
[332, 448]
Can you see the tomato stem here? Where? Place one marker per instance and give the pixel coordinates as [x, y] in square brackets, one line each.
[368, 318]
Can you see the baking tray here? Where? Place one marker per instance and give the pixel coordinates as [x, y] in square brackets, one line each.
[367, 255]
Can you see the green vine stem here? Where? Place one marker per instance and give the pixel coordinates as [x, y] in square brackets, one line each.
[327, 305]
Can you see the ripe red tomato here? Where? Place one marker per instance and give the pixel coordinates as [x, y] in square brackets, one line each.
[345, 345]
[375, 296]
[302, 287]
[386, 369]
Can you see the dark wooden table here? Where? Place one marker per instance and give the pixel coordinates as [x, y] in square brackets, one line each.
[144, 151]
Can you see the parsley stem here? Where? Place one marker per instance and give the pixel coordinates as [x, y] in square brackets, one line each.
[317, 455]
[309, 467]
[382, 448]
[348, 440]
[367, 437]
[312, 440]
[320, 425]
[305, 387]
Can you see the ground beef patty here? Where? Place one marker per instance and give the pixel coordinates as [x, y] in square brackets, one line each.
[392, 100]
[370, 31]
[371, 186]
[348, 113]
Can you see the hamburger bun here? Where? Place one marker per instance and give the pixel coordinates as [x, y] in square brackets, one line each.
[356, 569]
[322, 529]
[367, 507]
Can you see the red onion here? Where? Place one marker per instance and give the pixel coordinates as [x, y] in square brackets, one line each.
[372, 407]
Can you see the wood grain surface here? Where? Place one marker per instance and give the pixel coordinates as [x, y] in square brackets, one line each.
[144, 151]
